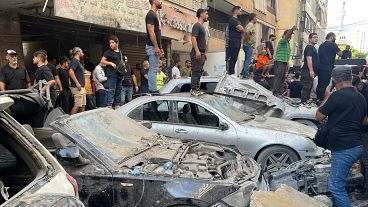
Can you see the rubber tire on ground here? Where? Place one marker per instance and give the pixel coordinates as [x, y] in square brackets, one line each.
[265, 153]
[307, 122]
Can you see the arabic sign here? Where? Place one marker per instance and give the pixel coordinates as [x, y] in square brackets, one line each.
[175, 23]
[121, 14]
[125, 15]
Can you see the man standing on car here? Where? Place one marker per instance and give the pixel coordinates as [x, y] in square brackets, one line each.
[197, 54]
[349, 108]
[77, 80]
[310, 66]
[154, 45]
[269, 46]
[13, 76]
[112, 58]
[326, 53]
[249, 42]
[281, 61]
[235, 35]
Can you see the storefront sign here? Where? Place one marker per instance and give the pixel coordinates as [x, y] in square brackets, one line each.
[175, 23]
[121, 14]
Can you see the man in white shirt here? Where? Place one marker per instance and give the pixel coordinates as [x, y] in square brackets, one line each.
[101, 84]
[175, 72]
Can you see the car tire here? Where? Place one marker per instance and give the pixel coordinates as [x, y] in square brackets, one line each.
[275, 158]
[307, 122]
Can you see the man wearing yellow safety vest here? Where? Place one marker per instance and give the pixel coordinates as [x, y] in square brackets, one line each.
[160, 77]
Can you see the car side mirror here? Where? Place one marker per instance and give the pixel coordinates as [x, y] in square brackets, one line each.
[68, 153]
[147, 124]
[223, 126]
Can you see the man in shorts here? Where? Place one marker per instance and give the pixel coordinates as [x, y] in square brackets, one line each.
[77, 81]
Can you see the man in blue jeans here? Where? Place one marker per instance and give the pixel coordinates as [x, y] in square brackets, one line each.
[112, 58]
[349, 108]
[249, 41]
[129, 80]
[154, 44]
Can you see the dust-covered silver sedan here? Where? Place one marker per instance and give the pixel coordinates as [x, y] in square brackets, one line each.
[274, 143]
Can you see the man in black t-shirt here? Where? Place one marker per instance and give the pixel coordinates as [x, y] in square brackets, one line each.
[129, 80]
[346, 54]
[13, 76]
[44, 73]
[269, 46]
[310, 67]
[112, 58]
[65, 94]
[144, 77]
[77, 80]
[154, 45]
[235, 30]
[295, 87]
[346, 110]
[326, 54]
[198, 53]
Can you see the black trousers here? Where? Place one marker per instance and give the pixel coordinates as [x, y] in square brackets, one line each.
[279, 78]
[324, 77]
[197, 69]
[232, 56]
[307, 84]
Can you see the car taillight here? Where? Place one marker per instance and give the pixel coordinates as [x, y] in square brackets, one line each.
[74, 184]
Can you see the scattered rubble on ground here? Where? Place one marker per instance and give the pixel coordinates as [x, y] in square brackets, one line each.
[284, 196]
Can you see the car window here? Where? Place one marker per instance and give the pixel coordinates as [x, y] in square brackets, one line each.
[136, 114]
[156, 111]
[193, 114]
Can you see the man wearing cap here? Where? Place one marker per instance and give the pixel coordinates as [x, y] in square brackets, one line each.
[77, 81]
[346, 110]
[197, 54]
[13, 76]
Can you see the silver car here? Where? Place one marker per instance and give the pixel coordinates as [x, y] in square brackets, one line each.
[250, 97]
[274, 143]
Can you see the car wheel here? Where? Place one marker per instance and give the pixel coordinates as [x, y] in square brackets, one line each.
[276, 158]
[307, 122]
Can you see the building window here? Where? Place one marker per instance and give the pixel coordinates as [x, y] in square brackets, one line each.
[261, 5]
[271, 6]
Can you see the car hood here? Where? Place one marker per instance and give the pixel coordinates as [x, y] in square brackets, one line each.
[130, 148]
[232, 86]
[281, 125]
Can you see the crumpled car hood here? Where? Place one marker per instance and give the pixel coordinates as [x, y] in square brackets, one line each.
[281, 125]
[247, 89]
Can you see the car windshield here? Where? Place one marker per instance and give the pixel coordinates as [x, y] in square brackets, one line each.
[227, 109]
[113, 134]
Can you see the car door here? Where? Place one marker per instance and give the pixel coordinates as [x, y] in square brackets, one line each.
[157, 112]
[194, 121]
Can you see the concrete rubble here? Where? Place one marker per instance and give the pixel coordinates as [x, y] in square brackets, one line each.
[284, 196]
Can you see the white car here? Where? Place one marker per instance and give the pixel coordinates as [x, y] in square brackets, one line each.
[29, 174]
[250, 97]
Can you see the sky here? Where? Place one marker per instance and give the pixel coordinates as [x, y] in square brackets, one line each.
[356, 11]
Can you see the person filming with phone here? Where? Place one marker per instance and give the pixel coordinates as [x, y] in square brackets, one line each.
[346, 110]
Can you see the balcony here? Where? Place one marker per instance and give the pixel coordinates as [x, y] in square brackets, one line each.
[214, 33]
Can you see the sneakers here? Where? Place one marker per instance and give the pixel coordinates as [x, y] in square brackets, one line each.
[196, 92]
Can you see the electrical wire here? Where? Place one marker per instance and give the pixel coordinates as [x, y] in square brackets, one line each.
[140, 199]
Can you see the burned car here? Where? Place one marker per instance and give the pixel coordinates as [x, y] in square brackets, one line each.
[126, 164]
[29, 174]
[250, 97]
[275, 143]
